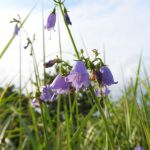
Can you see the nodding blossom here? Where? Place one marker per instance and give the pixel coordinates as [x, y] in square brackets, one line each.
[51, 20]
[79, 76]
[106, 76]
[50, 63]
[46, 93]
[59, 85]
[139, 148]
[67, 18]
[16, 30]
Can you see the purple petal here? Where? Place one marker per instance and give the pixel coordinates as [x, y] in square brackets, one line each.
[79, 67]
[16, 30]
[107, 77]
[46, 93]
[67, 19]
[51, 20]
[79, 76]
[59, 85]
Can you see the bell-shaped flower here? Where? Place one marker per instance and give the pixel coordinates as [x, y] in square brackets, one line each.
[51, 20]
[79, 76]
[46, 93]
[106, 76]
[16, 30]
[59, 85]
[67, 18]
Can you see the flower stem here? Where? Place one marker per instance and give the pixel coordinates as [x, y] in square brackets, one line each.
[69, 32]
[103, 116]
[90, 87]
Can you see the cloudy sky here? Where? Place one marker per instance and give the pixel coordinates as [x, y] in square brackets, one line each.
[121, 27]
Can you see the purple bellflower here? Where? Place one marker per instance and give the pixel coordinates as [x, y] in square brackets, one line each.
[51, 20]
[16, 30]
[79, 76]
[59, 85]
[139, 148]
[46, 93]
[107, 77]
[67, 18]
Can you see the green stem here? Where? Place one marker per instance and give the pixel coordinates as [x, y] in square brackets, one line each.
[43, 35]
[69, 32]
[90, 87]
[103, 116]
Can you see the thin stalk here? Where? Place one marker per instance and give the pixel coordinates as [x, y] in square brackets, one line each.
[20, 86]
[67, 124]
[45, 129]
[35, 68]
[20, 71]
[104, 118]
[69, 32]
[90, 88]
[58, 123]
[43, 40]
[59, 39]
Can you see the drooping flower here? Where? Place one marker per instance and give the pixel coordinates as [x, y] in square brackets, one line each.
[79, 76]
[50, 63]
[139, 148]
[46, 93]
[16, 30]
[67, 18]
[51, 20]
[59, 85]
[106, 76]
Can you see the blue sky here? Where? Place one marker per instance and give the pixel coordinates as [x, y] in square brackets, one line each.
[122, 27]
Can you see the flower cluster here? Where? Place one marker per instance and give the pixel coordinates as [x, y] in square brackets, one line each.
[77, 78]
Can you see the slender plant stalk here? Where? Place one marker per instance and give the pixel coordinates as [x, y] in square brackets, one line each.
[69, 32]
[90, 88]
[20, 87]
[43, 40]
